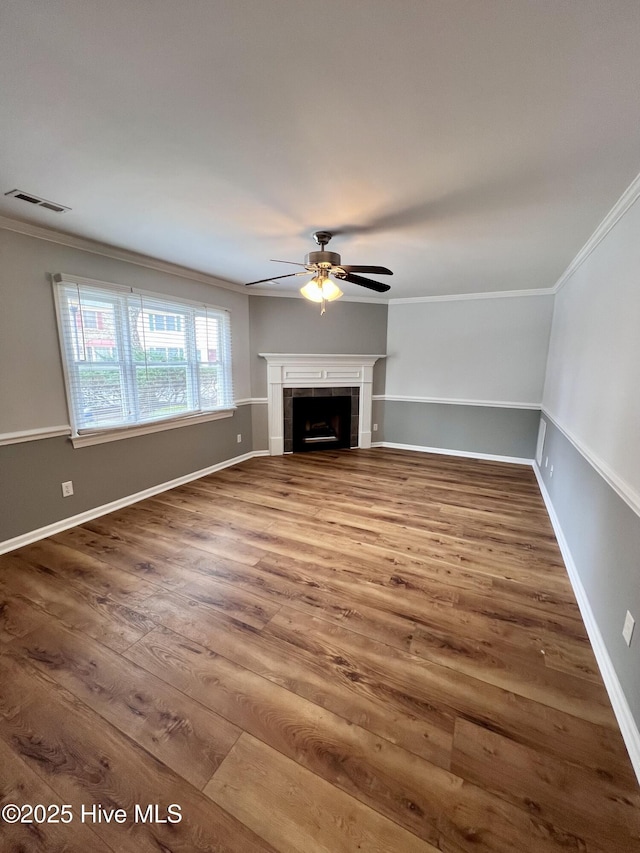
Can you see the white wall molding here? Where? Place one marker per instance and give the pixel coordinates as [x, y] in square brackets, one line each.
[462, 297]
[295, 294]
[449, 401]
[621, 708]
[465, 454]
[34, 434]
[252, 401]
[56, 431]
[88, 439]
[317, 370]
[623, 489]
[624, 203]
[104, 509]
[96, 248]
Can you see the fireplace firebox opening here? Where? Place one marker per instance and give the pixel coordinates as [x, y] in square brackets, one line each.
[321, 421]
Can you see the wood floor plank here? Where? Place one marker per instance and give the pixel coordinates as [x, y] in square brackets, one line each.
[373, 770]
[547, 787]
[87, 763]
[575, 660]
[417, 795]
[113, 623]
[442, 637]
[181, 733]
[90, 572]
[162, 522]
[20, 785]
[559, 601]
[221, 682]
[245, 607]
[134, 555]
[296, 810]
[263, 516]
[18, 616]
[522, 719]
[473, 615]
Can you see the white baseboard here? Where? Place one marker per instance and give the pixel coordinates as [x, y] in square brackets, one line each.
[104, 509]
[515, 460]
[628, 726]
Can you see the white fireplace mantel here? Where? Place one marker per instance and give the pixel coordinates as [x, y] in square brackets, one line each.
[317, 370]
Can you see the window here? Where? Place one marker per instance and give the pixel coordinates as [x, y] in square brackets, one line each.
[89, 319]
[135, 358]
[168, 354]
[165, 323]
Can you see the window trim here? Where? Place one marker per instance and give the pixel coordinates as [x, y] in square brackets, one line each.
[87, 437]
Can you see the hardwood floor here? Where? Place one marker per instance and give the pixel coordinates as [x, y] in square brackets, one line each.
[355, 651]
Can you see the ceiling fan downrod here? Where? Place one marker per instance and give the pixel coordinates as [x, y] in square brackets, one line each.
[322, 259]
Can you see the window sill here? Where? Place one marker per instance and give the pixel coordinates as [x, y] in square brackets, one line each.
[104, 436]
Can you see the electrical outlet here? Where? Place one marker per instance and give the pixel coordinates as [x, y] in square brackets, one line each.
[239, 438]
[67, 489]
[551, 471]
[627, 628]
[375, 427]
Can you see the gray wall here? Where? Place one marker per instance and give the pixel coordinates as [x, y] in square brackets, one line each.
[31, 472]
[592, 394]
[603, 535]
[481, 349]
[295, 325]
[472, 429]
[444, 355]
[33, 395]
[593, 371]
[285, 324]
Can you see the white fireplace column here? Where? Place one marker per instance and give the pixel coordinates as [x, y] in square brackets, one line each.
[317, 370]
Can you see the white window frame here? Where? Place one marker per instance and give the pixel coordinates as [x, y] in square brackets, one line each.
[83, 437]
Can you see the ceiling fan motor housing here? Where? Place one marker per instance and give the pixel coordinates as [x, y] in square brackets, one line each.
[322, 259]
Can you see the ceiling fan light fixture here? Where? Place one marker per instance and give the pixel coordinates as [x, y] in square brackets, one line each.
[321, 289]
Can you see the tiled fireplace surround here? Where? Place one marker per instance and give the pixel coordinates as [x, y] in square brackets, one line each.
[352, 391]
[316, 374]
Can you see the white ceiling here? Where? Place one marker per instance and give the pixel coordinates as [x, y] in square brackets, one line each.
[470, 145]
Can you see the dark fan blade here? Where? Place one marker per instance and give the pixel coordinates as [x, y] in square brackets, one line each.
[357, 268]
[273, 278]
[365, 282]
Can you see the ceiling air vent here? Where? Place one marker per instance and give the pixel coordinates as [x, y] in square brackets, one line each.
[39, 202]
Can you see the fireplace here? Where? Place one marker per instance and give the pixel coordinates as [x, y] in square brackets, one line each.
[320, 418]
[317, 375]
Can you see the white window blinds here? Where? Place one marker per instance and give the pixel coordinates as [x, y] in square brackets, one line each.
[133, 358]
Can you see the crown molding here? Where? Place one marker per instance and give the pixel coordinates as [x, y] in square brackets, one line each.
[296, 295]
[461, 297]
[624, 203]
[84, 244]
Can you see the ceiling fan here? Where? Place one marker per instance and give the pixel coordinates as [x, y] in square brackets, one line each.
[323, 264]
